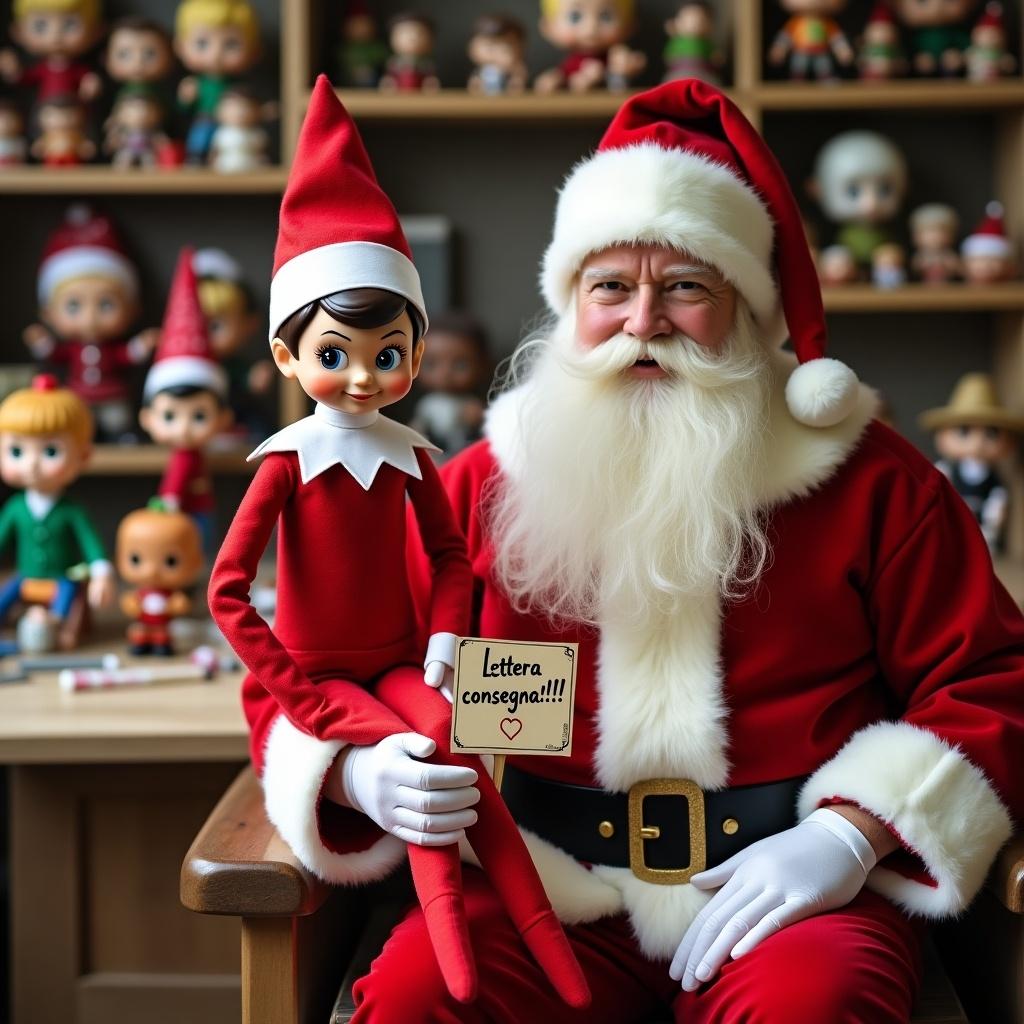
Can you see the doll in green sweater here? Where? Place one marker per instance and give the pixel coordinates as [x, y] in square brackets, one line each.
[45, 441]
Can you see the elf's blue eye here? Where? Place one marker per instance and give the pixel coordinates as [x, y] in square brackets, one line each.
[332, 358]
[388, 358]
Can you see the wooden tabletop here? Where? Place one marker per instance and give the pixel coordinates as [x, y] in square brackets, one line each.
[172, 721]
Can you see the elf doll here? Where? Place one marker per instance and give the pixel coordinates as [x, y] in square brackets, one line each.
[88, 300]
[185, 401]
[346, 321]
[58, 32]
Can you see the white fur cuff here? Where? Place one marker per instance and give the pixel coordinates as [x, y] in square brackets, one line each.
[939, 803]
[294, 768]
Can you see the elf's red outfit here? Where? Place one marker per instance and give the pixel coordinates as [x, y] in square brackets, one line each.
[345, 625]
[878, 655]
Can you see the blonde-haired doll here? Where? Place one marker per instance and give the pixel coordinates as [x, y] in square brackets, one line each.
[45, 442]
[216, 40]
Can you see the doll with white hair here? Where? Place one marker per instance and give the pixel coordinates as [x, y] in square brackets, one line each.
[860, 180]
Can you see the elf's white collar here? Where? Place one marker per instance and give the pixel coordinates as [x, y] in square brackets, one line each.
[361, 443]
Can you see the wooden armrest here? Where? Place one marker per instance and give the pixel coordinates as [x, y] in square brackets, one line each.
[238, 864]
[1007, 877]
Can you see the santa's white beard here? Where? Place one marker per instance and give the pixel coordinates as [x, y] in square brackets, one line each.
[633, 494]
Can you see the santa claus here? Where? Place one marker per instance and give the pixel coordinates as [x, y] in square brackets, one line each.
[793, 737]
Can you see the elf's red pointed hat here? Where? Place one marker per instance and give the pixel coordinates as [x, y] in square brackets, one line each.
[184, 357]
[680, 166]
[338, 229]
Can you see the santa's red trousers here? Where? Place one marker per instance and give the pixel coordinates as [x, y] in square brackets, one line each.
[858, 965]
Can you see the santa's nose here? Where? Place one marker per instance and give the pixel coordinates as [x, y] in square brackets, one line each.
[645, 318]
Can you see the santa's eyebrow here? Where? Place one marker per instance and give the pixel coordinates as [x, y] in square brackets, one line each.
[689, 270]
[603, 274]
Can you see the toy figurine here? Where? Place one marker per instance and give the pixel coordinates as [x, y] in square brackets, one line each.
[13, 144]
[134, 129]
[184, 401]
[889, 266]
[972, 434]
[987, 254]
[88, 300]
[860, 179]
[691, 50]
[933, 230]
[241, 141]
[158, 553]
[216, 40]
[346, 322]
[587, 29]
[62, 139]
[139, 56]
[938, 35]
[45, 442]
[452, 376]
[497, 49]
[362, 54]
[880, 56]
[622, 65]
[836, 266]
[58, 32]
[986, 58]
[810, 38]
[410, 68]
[231, 323]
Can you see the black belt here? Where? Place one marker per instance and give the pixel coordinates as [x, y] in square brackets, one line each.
[649, 829]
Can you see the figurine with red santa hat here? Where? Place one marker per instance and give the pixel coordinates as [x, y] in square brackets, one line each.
[987, 254]
[88, 300]
[880, 55]
[347, 318]
[185, 401]
[987, 59]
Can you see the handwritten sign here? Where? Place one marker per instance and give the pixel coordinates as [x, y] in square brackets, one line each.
[513, 698]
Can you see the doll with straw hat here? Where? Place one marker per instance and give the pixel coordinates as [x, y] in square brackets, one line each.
[973, 433]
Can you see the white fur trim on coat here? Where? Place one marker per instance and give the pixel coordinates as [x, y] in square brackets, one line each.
[646, 194]
[295, 766]
[940, 804]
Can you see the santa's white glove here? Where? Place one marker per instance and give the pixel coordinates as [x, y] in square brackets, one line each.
[425, 804]
[439, 664]
[819, 865]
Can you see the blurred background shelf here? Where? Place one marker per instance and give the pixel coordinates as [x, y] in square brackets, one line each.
[151, 460]
[937, 94]
[924, 298]
[100, 180]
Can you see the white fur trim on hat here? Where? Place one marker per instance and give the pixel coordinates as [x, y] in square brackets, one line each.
[337, 267]
[188, 371]
[821, 392]
[216, 263]
[986, 245]
[646, 194]
[85, 261]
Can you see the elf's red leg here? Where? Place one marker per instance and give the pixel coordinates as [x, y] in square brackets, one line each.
[436, 871]
[495, 838]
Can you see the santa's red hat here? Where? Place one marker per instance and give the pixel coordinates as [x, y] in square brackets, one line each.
[184, 357]
[680, 166]
[85, 245]
[989, 237]
[881, 14]
[338, 230]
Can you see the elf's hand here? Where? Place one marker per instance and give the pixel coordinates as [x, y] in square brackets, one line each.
[819, 865]
[424, 804]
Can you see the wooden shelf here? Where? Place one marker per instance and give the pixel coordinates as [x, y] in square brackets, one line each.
[101, 180]
[925, 298]
[912, 94]
[460, 105]
[151, 460]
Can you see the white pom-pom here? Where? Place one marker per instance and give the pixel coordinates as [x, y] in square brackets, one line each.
[822, 392]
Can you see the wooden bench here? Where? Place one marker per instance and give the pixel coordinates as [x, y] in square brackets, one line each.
[304, 943]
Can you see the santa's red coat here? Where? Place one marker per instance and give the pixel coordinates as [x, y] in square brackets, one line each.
[879, 654]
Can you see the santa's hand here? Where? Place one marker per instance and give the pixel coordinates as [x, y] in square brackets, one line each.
[438, 665]
[819, 865]
[424, 804]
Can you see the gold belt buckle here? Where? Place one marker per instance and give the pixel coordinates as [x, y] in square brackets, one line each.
[639, 833]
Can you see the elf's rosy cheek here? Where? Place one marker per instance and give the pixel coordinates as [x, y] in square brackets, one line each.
[397, 387]
[322, 387]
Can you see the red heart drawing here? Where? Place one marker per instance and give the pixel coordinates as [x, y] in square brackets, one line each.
[511, 727]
